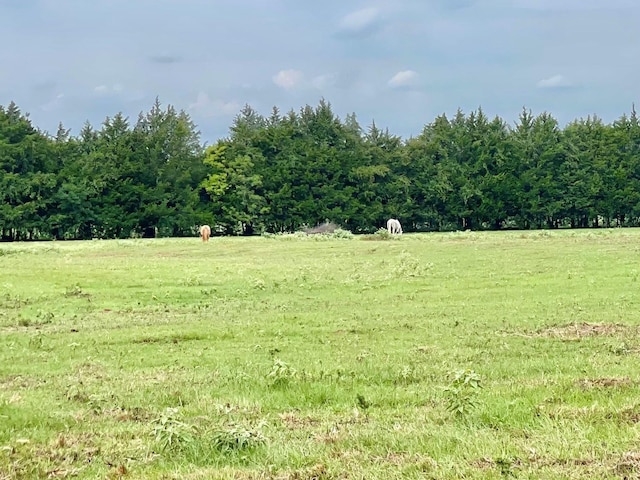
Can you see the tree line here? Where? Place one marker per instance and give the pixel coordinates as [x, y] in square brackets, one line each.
[154, 177]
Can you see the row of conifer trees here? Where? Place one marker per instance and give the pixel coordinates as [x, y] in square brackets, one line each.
[155, 177]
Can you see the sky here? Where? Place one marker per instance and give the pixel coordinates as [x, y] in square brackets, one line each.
[398, 63]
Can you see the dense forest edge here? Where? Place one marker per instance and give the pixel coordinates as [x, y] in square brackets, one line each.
[155, 178]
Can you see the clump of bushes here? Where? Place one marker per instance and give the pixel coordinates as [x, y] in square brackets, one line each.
[325, 231]
[381, 234]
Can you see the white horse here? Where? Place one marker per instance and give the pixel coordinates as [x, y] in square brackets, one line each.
[394, 227]
[205, 232]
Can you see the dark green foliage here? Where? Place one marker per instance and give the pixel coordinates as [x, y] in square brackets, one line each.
[288, 172]
[27, 176]
[118, 182]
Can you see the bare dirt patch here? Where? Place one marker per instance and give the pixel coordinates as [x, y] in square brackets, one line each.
[64, 457]
[576, 331]
[590, 383]
[631, 415]
[316, 472]
[21, 382]
[293, 420]
[508, 466]
[135, 414]
[628, 465]
[563, 412]
[170, 339]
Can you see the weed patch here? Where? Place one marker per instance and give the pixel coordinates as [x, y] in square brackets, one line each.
[235, 437]
[382, 234]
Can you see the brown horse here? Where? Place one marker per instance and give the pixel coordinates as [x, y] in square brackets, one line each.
[205, 232]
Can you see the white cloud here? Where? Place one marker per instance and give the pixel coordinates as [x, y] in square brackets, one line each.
[288, 79]
[556, 81]
[207, 107]
[360, 20]
[106, 89]
[403, 79]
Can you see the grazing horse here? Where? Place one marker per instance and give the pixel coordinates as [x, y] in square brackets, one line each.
[393, 226]
[205, 232]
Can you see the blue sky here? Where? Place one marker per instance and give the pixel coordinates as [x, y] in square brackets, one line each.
[399, 63]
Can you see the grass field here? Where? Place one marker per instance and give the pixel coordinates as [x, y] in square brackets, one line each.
[459, 355]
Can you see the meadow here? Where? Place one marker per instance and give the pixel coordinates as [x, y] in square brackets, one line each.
[446, 355]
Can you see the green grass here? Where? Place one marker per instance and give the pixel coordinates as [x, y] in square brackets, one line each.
[314, 358]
